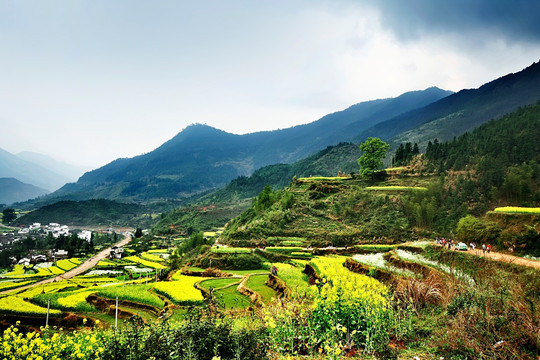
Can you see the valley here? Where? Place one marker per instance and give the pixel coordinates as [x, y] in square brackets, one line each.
[315, 257]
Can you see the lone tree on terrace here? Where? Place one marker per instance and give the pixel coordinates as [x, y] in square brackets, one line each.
[371, 160]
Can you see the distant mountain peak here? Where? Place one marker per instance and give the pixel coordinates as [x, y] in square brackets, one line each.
[13, 190]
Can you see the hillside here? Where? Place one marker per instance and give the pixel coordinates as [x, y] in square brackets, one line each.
[219, 206]
[12, 190]
[495, 164]
[328, 162]
[91, 212]
[462, 111]
[201, 158]
[327, 211]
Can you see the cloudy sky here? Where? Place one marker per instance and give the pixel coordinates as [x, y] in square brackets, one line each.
[87, 82]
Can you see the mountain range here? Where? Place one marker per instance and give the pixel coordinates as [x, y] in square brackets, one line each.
[68, 171]
[12, 190]
[201, 158]
[34, 174]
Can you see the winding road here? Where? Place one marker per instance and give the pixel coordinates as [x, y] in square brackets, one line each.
[85, 266]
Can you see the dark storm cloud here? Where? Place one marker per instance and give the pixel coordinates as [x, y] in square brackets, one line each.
[512, 20]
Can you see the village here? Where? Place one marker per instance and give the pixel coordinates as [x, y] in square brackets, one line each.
[37, 238]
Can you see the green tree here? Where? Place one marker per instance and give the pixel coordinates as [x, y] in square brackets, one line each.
[371, 160]
[138, 233]
[9, 215]
[265, 199]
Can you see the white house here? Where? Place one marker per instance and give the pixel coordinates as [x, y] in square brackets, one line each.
[85, 234]
[24, 262]
[60, 254]
[39, 258]
[35, 226]
[116, 252]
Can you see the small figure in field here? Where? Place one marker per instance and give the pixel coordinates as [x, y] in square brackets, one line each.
[484, 248]
[489, 248]
[274, 270]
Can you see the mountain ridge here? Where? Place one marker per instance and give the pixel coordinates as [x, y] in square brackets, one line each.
[13, 190]
[202, 158]
[29, 172]
[70, 172]
[461, 111]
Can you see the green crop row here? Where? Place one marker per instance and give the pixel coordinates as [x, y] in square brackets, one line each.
[284, 249]
[139, 293]
[230, 250]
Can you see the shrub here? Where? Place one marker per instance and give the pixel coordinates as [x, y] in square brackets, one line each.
[473, 229]
[284, 249]
[230, 261]
[203, 339]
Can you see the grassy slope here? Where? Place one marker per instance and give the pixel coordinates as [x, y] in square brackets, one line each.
[218, 207]
[329, 211]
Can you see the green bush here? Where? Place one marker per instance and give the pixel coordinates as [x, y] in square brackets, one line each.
[477, 230]
[284, 249]
[230, 250]
[202, 339]
[229, 261]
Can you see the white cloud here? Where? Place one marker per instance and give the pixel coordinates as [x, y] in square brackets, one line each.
[90, 82]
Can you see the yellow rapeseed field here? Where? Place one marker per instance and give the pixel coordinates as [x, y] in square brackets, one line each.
[518, 210]
[181, 289]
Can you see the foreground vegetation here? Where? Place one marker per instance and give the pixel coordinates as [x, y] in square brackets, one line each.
[354, 308]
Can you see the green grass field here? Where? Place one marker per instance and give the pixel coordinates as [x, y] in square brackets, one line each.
[294, 278]
[396, 188]
[257, 283]
[230, 250]
[136, 293]
[229, 298]
[219, 283]
[244, 272]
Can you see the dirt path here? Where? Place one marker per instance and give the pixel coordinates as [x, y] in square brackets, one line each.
[507, 258]
[85, 266]
[497, 256]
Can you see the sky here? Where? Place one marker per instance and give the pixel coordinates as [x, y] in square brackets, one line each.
[87, 82]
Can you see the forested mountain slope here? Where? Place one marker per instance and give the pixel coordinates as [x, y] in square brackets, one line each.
[91, 212]
[328, 162]
[462, 111]
[219, 206]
